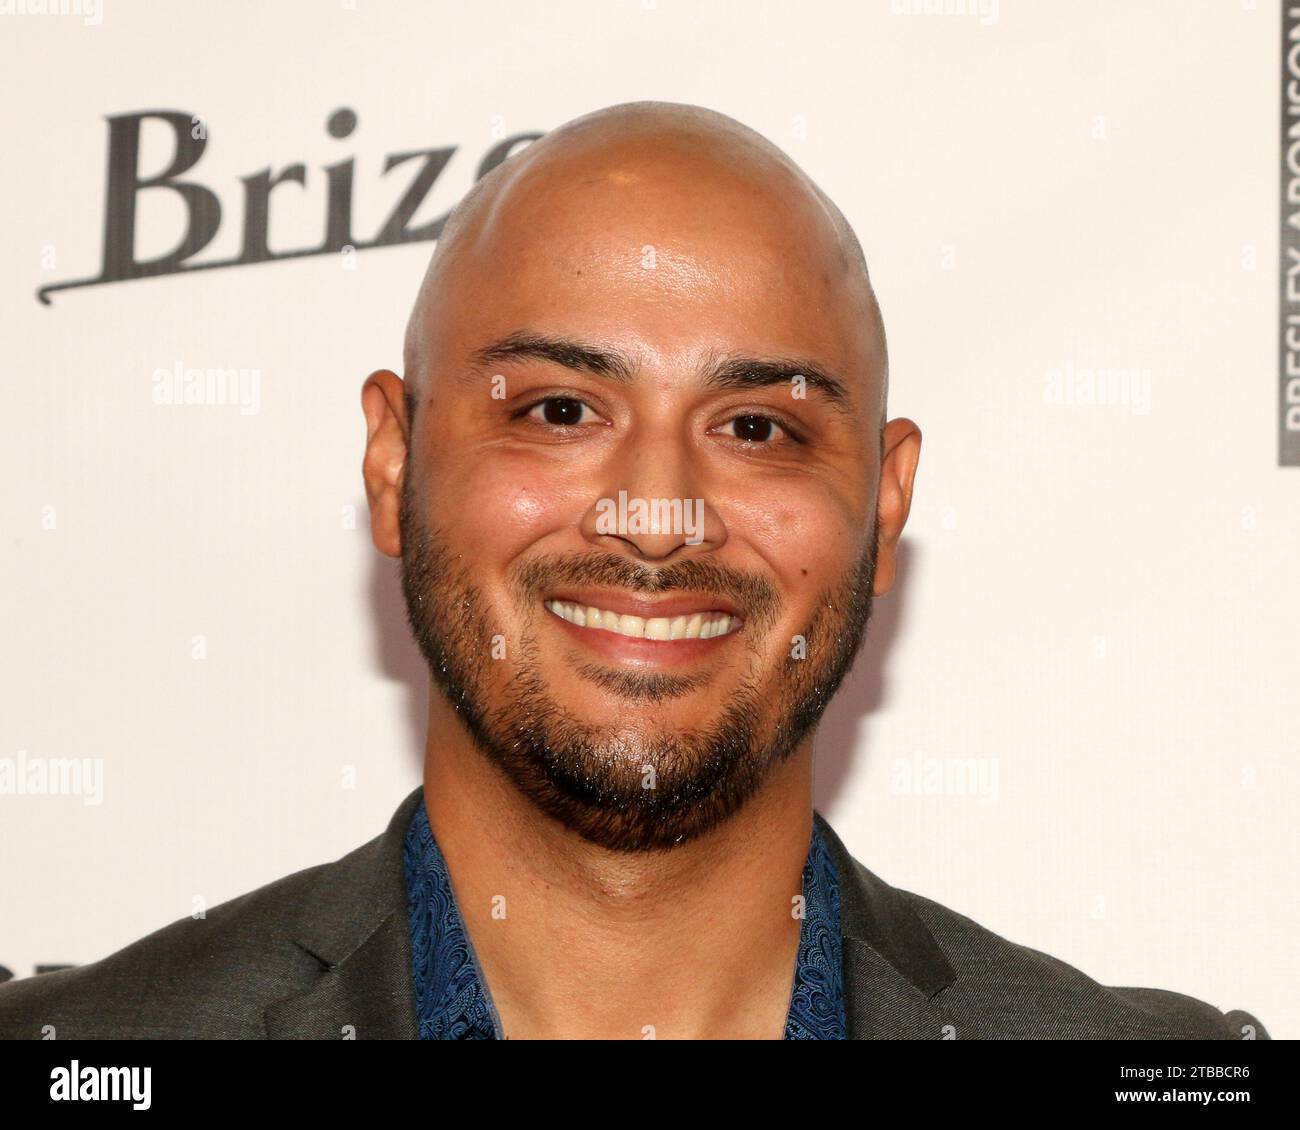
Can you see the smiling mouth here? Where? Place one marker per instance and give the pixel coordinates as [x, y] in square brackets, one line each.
[702, 625]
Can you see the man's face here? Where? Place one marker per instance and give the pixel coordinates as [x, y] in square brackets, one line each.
[603, 481]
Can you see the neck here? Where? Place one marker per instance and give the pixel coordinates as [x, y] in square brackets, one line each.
[574, 941]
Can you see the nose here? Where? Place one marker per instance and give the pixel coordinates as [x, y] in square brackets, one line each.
[652, 505]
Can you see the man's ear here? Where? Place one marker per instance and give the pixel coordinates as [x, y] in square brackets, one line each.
[383, 400]
[902, 448]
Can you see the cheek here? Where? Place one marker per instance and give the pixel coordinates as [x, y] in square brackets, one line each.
[807, 539]
[499, 507]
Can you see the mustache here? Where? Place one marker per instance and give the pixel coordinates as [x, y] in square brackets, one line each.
[750, 591]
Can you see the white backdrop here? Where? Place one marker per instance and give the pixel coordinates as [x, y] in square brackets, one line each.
[1074, 719]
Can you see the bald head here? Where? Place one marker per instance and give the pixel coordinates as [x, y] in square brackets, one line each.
[651, 181]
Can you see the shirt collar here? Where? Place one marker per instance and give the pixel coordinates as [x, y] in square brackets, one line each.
[451, 994]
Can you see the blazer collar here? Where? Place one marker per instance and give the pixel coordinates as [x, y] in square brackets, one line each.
[354, 923]
[893, 967]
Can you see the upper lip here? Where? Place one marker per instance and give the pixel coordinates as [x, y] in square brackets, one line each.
[646, 606]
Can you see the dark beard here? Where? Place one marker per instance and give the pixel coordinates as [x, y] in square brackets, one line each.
[621, 792]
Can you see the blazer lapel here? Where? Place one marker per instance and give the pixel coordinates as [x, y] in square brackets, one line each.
[355, 925]
[893, 967]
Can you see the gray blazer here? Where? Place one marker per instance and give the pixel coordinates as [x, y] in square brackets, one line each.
[325, 954]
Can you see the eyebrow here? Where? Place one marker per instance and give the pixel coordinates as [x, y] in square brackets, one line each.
[558, 351]
[759, 372]
[721, 371]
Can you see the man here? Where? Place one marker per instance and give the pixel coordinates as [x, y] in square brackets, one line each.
[643, 491]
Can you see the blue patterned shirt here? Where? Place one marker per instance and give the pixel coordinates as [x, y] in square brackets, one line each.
[452, 1001]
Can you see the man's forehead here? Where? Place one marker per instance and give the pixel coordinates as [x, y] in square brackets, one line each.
[670, 233]
[667, 332]
[641, 253]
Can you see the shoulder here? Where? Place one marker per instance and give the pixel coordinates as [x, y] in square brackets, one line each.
[210, 977]
[1003, 990]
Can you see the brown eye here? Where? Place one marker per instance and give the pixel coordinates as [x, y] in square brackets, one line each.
[558, 411]
[753, 429]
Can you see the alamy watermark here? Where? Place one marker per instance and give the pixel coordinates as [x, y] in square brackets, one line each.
[53, 776]
[208, 388]
[986, 11]
[90, 11]
[651, 516]
[1083, 385]
[946, 776]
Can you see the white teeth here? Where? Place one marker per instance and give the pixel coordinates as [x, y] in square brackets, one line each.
[701, 625]
[716, 626]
